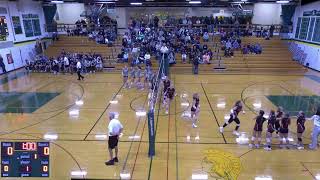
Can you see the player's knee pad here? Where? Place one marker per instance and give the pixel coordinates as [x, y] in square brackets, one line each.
[299, 139]
[238, 125]
[253, 138]
[268, 140]
[284, 140]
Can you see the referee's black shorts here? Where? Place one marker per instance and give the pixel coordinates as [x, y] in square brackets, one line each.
[113, 142]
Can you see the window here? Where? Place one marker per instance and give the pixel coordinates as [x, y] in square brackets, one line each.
[316, 33]
[304, 28]
[31, 25]
[311, 26]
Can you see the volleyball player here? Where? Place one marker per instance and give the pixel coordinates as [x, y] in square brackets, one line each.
[168, 97]
[166, 83]
[125, 74]
[270, 129]
[284, 130]
[147, 76]
[132, 76]
[257, 130]
[279, 115]
[195, 109]
[234, 117]
[138, 76]
[301, 119]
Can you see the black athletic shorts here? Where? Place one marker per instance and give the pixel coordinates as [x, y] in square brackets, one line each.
[236, 120]
[300, 129]
[284, 131]
[113, 142]
[258, 129]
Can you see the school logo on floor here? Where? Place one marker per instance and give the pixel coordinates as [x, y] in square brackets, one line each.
[221, 164]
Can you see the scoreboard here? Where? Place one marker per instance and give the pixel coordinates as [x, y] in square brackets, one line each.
[25, 159]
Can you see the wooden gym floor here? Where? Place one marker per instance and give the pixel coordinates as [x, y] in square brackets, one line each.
[49, 103]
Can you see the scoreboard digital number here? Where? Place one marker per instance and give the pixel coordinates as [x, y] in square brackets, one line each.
[25, 159]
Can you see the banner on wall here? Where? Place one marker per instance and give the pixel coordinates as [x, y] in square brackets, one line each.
[311, 13]
[9, 58]
[3, 29]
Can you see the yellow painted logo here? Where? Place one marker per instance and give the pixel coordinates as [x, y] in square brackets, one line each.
[223, 164]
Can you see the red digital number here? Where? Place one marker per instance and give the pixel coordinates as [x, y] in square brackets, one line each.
[29, 146]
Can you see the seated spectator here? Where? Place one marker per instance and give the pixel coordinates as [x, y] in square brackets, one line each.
[245, 50]
[206, 37]
[206, 58]
[147, 57]
[257, 49]
[172, 58]
[125, 57]
[228, 45]
[236, 45]
[184, 57]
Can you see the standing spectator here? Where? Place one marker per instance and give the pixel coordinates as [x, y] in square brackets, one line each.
[271, 30]
[316, 129]
[66, 64]
[79, 70]
[115, 129]
[3, 67]
[196, 64]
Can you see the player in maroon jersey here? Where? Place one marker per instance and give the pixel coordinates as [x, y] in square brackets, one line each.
[279, 115]
[270, 130]
[284, 130]
[195, 109]
[301, 119]
[168, 97]
[166, 85]
[234, 117]
[257, 130]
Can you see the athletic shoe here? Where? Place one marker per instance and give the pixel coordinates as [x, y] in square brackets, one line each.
[257, 146]
[109, 163]
[250, 146]
[116, 159]
[221, 129]
[267, 148]
[167, 112]
[300, 147]
[235, 133]
[194, 125]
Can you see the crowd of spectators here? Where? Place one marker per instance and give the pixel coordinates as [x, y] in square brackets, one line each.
[102, 34]
[144, 42]
[66, 63]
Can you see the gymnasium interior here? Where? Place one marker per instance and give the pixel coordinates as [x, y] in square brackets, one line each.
[70, 67]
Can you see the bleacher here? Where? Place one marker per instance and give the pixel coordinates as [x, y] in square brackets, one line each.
[275, 57]
[82, 44]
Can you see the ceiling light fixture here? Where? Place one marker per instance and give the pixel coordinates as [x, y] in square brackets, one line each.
[136, 3]
[282, 2]
[57, 2]
[194, 2]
